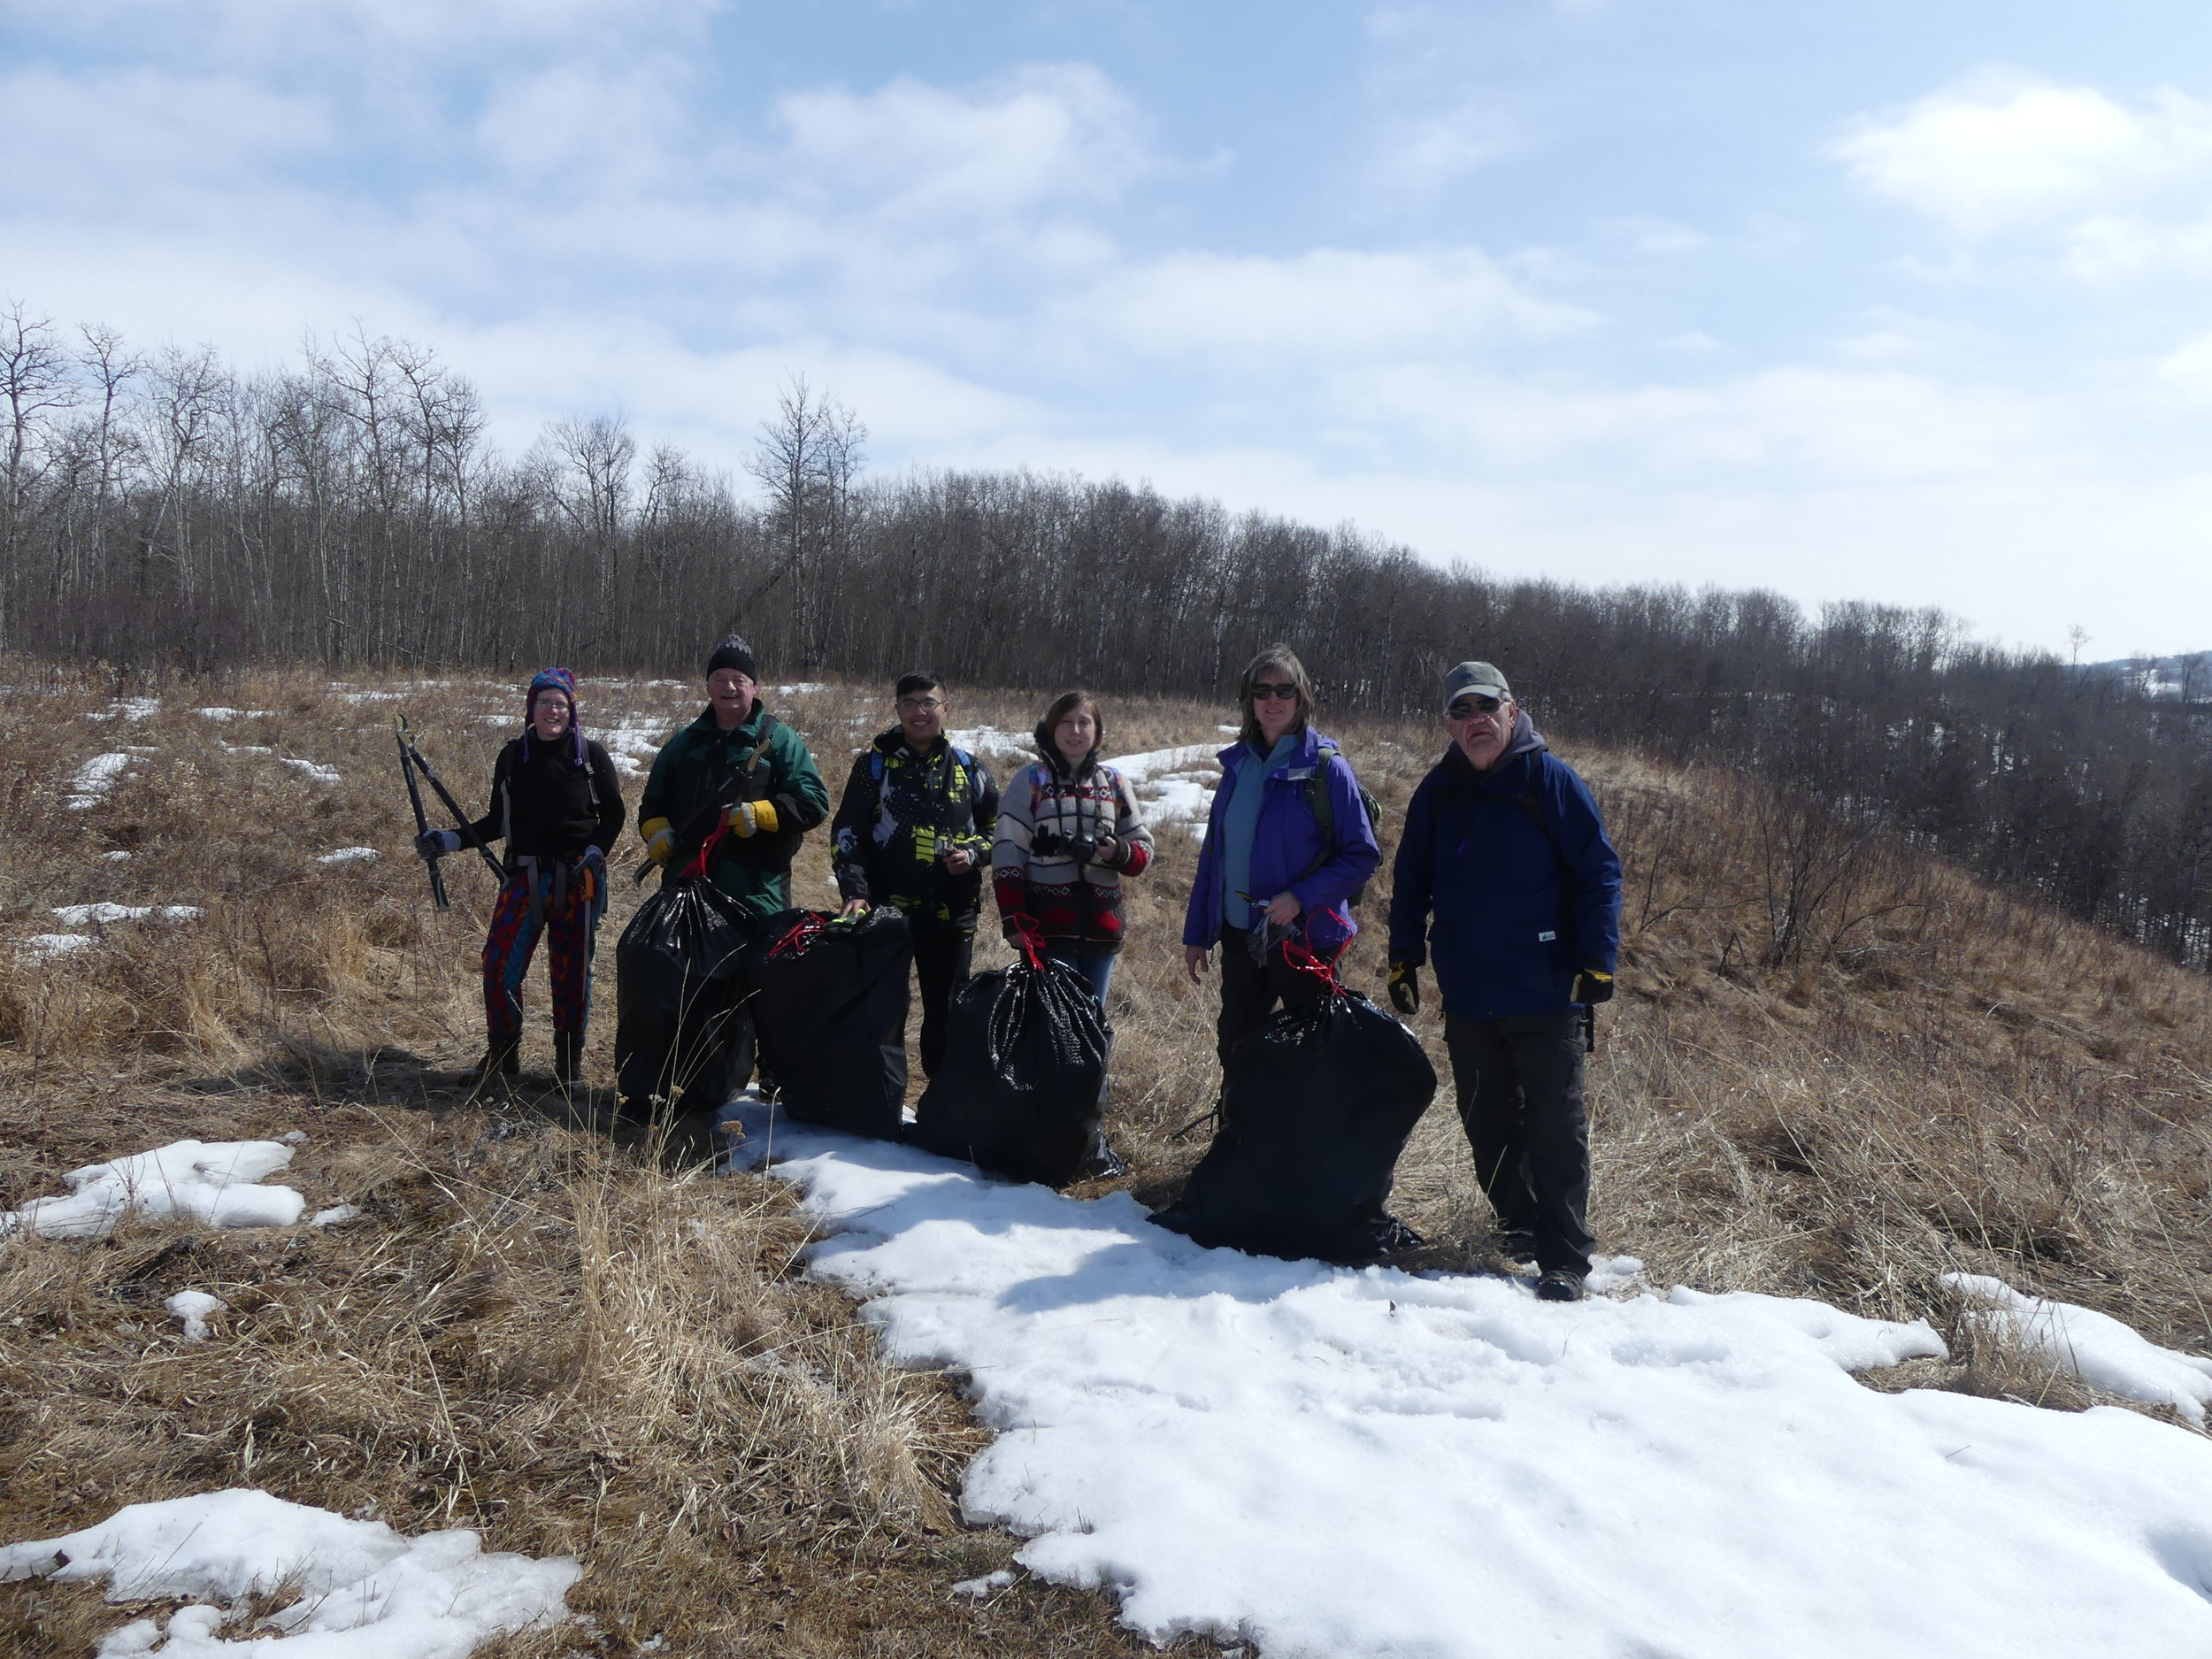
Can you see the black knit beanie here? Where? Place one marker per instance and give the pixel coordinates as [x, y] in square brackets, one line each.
[732, 653]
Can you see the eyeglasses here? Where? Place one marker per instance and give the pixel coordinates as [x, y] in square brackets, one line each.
[1274, 694]
[920, 705]
[1467, 708]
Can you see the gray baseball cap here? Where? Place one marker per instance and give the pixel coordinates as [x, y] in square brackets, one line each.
[1474, 680]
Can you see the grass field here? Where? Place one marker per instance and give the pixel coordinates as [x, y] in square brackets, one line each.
[1837, 1068]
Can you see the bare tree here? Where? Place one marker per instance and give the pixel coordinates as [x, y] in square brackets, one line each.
[806, 460]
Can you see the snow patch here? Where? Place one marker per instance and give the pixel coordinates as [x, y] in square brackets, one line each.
[803, 688]
[988, 740]
[38, 947]
[129, 709]
[2093, 1346]
[95, 779]
[104, 912]
[350, 856]
[364, 1589]
[319, 773]
[193, 1307]
[976, 1589]
[335, 1215]
[1173, 784]
[116, 857]
[1322, 1460]
[215, 1181]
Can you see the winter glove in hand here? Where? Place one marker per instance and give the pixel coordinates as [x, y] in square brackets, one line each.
[1592, 986]
[751, 817]
[660, 839]
[1405, 988]
[591, 875]
[436, 843]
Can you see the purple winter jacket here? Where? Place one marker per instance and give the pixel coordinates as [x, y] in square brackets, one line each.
[1286, 845]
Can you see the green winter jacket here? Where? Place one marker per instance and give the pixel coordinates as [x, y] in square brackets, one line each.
[691, 780]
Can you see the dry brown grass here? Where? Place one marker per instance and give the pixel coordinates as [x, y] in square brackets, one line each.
[575, 1347]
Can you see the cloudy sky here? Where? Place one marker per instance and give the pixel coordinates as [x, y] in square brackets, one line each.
[1896, 301]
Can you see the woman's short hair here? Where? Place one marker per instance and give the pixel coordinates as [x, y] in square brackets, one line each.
[1062, 706]
[1276, 660]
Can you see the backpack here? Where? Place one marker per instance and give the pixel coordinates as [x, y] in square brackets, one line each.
[1323, 810]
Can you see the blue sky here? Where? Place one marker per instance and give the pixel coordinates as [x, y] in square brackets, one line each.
[1895, 302]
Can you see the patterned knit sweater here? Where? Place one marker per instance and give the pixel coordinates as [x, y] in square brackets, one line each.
[1045, 814]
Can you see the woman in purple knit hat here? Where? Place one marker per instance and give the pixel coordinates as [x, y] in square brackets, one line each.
[557, 805]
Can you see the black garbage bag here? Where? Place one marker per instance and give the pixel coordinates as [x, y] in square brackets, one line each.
[1025, 1061]
[1317, 1107]
[826, 998]
[682, 1035]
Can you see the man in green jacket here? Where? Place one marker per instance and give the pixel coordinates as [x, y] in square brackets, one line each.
[738, 783]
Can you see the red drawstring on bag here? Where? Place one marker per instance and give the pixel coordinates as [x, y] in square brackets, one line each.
[1302, 960]
[799, 935]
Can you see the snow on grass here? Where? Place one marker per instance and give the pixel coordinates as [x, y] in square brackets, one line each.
[364, 1589]
[193, 1307]
[1329, 1461]
[2094, 1347]
[319, 773]
[38, 947]
[116, 857]
[220, 715]
[802, 688]
[632, 746]
[104, 912]
[1173, 784]
[128, 709]
[335, 1215]
[350, 856]
[988, 740]
[215, 1181]
[95, 779]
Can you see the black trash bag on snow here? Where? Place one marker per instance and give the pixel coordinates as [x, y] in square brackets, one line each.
[682, 1031]
[1025, 1062]
[828, 997]
[1317, 1107]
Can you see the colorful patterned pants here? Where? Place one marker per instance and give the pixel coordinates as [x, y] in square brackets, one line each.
[572, 932]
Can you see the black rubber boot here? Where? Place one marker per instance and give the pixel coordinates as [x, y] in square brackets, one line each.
[568, 1058]
[500, 1060]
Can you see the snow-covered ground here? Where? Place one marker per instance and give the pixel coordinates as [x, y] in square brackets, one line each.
[96, 780]
[364, 1591]
[349, 856]
[1337, 1462]
[104, 913]
[217, 1182]
[1173, 785]
[2093, 1346]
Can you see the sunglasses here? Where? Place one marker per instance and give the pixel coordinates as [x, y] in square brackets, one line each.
[1274, 694]
[1467, 708]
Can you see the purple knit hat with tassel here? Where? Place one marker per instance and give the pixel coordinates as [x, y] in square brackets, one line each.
[556, 679]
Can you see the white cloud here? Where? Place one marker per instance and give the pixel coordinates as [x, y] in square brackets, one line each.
[1420, 154]
[1049, 134]
[2003, 149]
[1317, 307]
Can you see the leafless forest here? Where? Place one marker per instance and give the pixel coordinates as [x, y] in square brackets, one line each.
[163, 511]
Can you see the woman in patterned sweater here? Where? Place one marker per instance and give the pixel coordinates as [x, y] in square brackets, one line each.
[1069, 830]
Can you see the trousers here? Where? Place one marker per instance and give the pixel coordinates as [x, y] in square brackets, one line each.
[942, 957]
[1250, 991]
[571, 930]
[1520, 1088]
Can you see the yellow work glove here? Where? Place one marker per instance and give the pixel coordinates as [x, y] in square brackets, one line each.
[751, 817]
[660, 839]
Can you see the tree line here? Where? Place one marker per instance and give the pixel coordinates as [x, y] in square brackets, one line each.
[164, 507]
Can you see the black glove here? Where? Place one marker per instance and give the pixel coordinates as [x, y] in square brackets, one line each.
[1405, 988]
[436, 843]
[1592, 986]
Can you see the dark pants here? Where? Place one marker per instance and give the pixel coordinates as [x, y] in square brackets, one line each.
[941, 961]
[1249, 992]
[1520, 1099]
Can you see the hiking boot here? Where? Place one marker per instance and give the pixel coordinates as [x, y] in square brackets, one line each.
[568, 1057]
[1392, 1235]
[1518, 1245]
[1104, 1164]
[1560, 1284]
[501, 1059]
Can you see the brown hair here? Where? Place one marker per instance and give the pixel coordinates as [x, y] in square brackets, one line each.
[1062, 706]
[1279, 659]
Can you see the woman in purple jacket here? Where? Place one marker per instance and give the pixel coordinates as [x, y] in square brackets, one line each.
[1274, 871]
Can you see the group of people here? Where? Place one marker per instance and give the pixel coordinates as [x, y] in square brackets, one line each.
[1504, 882]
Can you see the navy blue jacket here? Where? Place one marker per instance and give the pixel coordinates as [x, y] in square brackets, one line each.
[1518, 906]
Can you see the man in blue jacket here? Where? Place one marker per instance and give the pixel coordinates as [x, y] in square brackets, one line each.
[1503, 846]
